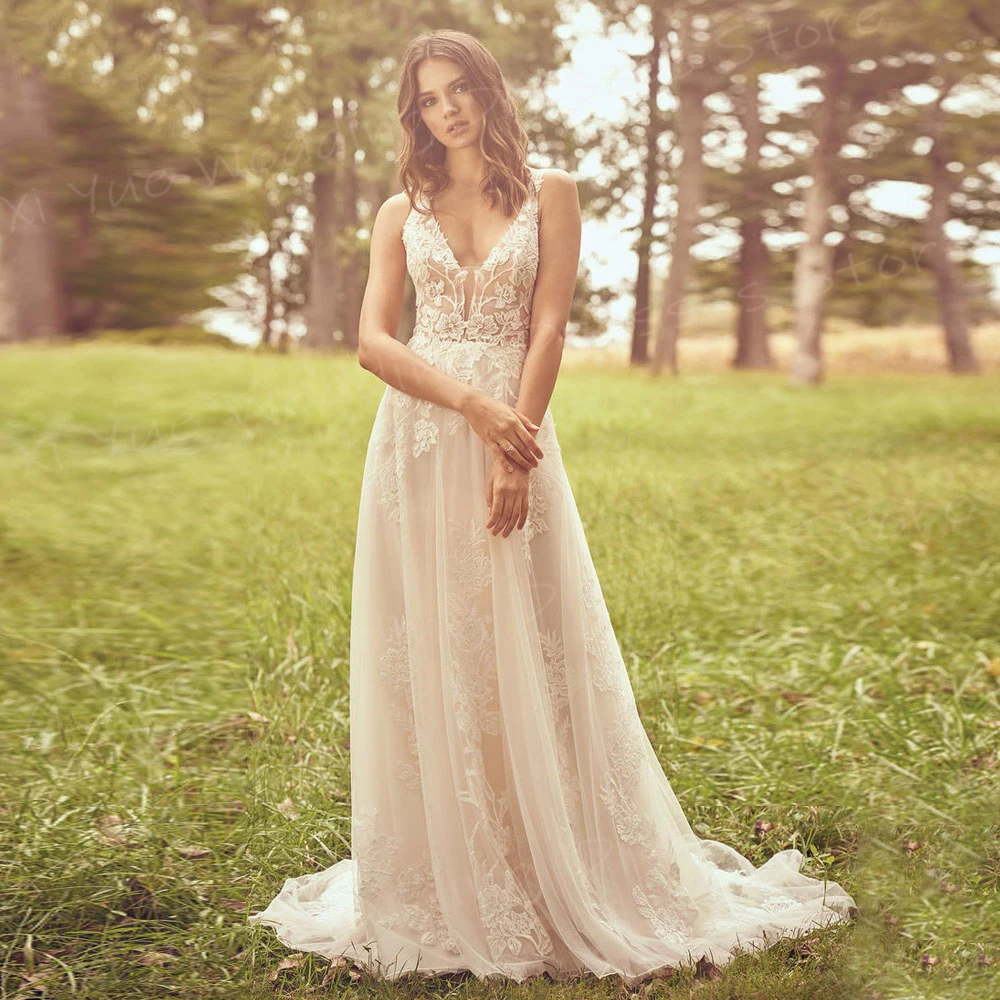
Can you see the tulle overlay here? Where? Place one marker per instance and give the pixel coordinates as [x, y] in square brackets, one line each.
[509, 814]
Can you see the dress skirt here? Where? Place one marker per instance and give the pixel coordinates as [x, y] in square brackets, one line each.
[509, 814]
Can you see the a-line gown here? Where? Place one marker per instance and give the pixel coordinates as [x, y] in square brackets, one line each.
[509, 815]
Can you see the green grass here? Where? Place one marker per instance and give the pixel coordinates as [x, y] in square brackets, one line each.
[805, 584]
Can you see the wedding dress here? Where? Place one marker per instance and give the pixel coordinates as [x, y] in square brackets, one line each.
[509, 814]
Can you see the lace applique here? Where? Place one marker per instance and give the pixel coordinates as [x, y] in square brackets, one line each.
[511, 918]
[541, 486]
[473, 566]
[474, 326]
[608, 671]
[660, 897]
[409, 771]
[394, 671]
[544, 484]
[557, 686]
[471, 642]
[496, 307]
[386, 476]
[628, 750]
[477, 333]
[504, 899]
[419, 421]
[777, 903]
[470, 636]
[554, 656]
[667, 911]
[414, 886]
[627, 819]
[375, 853]
[493, 368]
[388, 486]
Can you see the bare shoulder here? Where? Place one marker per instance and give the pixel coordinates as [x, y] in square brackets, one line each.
[558, 178]
[393, 211]
[558, 191]
[558, 195]
[558, 181]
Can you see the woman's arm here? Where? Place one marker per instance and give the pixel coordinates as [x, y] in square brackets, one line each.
[559, 259]
[500, 426]
[378, 350]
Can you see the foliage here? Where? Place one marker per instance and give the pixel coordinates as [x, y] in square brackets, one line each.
[173, 336]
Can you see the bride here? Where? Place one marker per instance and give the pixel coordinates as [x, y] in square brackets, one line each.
[509, 814]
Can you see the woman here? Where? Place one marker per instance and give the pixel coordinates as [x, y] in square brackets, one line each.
[509, 815]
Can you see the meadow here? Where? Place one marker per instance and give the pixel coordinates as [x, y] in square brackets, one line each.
[805, 584]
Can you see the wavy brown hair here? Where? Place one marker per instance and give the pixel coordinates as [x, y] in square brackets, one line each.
[503, 143]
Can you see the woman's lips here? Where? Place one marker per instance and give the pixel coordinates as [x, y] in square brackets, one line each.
[459, 127]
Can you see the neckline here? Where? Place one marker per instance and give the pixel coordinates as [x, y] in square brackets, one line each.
[496, 246]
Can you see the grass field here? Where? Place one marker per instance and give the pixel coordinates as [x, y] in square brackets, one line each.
[805, 584]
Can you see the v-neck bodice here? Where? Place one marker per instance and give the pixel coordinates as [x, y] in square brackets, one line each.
[496, 246]
[489, 302]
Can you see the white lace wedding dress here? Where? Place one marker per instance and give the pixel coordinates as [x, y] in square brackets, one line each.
[509, 814]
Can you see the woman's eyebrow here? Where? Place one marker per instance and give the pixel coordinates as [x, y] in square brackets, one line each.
[424, 93]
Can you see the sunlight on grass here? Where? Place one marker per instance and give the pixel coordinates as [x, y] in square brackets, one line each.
[805, 585]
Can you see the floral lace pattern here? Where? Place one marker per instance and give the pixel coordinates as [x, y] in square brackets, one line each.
[608, 671]
[509, 814]
[395, 673]
[402, 896]
[495, 307]
[505, 901]
[474, 325]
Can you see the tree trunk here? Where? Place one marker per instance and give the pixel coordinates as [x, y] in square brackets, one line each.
[264, 270]
[753, 349]
[32, 295]
[950, 290]
[640, 325]
[84, 313]
[8, 305]
[321, 310]
[690, 122]
[814, 263]
[350, 309]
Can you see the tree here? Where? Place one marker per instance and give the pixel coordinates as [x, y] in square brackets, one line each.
[33, 290]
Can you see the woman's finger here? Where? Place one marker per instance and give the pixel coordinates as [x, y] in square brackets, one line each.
[496, 518]
[515, 506]
[512, 456]
[527, 438]
[493, 499]
[526, 419]
[506, 520]
[523, 512]
[520, 448]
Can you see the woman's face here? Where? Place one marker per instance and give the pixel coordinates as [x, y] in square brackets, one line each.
[446, 99]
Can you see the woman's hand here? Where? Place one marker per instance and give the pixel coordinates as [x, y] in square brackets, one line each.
[507, 432]
[506, 498]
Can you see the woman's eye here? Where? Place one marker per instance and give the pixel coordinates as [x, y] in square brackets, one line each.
[427, 102]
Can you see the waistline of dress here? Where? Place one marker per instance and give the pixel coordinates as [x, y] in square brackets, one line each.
[422, 338]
